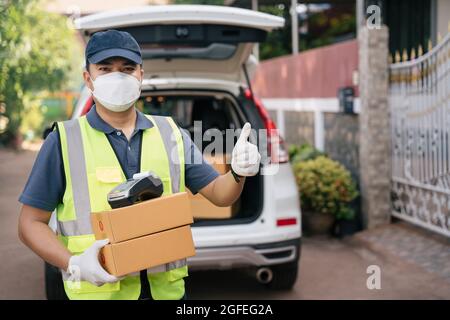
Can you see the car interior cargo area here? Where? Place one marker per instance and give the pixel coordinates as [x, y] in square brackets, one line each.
[206, 116]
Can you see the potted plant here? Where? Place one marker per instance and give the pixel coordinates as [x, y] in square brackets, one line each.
[326, 191]
[347, 224]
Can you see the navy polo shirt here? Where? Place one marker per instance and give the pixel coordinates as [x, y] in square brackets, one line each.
[46, 184]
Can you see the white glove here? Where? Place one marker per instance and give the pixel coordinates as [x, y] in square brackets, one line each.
[245, 157]
[86, 267]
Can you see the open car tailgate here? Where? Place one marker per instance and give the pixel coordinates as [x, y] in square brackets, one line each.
[189, 40]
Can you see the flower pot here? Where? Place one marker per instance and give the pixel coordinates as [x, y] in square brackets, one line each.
[345, 228]
[318, 223]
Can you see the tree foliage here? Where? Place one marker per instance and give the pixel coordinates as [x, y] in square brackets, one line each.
[334, 23]
[37, 50]
[278, 42]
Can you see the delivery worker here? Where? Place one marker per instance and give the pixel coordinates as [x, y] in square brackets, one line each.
[84, 158]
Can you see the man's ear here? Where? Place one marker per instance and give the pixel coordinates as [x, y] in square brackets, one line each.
[88, 80]
[142, 74]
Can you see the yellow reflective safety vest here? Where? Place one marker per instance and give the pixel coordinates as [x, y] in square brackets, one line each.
[92, 170]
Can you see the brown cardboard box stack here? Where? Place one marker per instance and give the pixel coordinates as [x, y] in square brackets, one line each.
[202, 208]
[146, 234]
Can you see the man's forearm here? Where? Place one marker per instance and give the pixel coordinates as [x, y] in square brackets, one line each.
[42, 240]
[224, 190]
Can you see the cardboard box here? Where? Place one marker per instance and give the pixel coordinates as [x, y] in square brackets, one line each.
[130, 256]
[220, 162]
[142, 219]
[202, 208]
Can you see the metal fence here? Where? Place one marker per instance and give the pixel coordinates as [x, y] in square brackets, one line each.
[419, 98]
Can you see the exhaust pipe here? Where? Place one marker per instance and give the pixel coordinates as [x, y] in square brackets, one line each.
[264, 275]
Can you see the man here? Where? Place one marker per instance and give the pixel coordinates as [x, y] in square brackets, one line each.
[85, 158]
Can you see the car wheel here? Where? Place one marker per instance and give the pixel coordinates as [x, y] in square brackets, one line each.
[54, 287]
[284, 276]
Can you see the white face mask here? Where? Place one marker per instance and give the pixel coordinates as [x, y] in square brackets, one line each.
[116, 91]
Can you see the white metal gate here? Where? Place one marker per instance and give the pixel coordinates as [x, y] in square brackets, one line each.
[420, 115]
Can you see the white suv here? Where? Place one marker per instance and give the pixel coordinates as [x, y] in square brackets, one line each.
[198, 61]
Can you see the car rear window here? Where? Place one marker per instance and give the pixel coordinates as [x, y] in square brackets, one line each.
[198, 41]
[209, 51]
[212, 112]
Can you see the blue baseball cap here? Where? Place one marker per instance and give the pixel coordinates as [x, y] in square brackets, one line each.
[112, 43]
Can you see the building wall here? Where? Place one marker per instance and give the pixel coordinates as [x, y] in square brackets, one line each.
[342, 140]
[299, 127]
[300, 92]
[310, 74]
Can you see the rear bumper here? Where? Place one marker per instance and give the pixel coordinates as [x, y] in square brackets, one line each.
[246, 256]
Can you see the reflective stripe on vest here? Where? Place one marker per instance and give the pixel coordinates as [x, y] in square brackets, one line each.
[170, 144]
[74, 226]
[77, 165]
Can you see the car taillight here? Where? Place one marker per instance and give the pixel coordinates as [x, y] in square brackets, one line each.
[286, 222]
[276, 149]
[87, 106]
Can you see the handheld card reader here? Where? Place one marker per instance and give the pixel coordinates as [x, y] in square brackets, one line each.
[143, 186]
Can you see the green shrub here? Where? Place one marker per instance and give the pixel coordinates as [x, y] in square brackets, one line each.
[303, 153]
[325, 187]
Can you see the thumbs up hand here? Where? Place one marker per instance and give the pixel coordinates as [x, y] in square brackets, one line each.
[245, 157]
